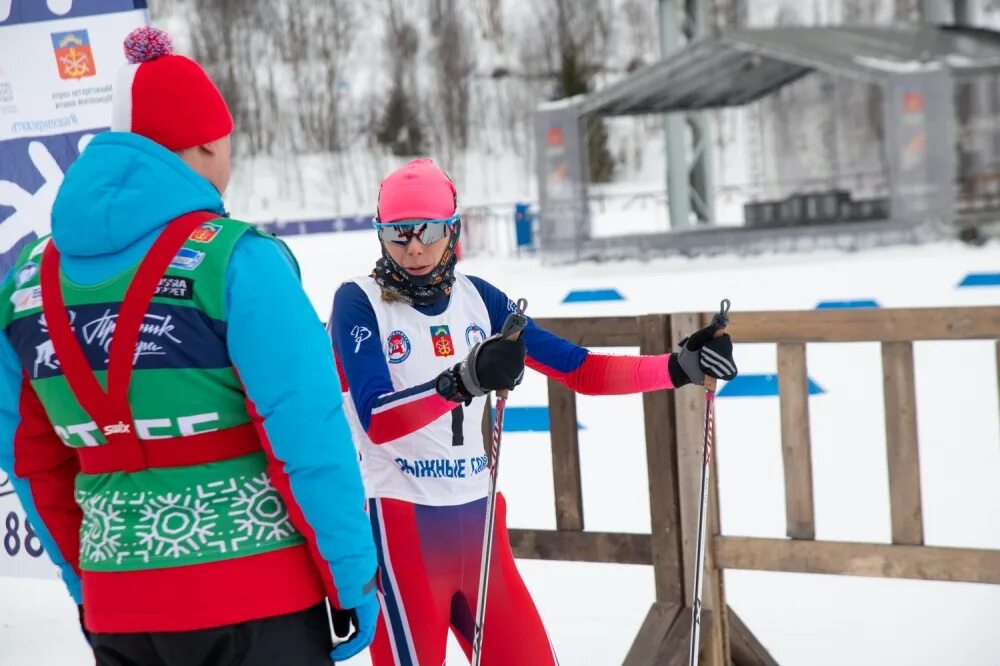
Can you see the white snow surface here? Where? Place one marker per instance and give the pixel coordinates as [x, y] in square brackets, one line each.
[593, 611]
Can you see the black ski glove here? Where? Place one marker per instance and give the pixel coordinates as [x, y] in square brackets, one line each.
[342, 621]
[83, 626]
[491, 365]
[700, 355]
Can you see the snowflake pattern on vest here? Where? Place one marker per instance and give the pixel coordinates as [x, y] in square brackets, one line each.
[208, 520]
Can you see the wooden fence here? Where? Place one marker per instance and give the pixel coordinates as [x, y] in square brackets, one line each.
[673, 427]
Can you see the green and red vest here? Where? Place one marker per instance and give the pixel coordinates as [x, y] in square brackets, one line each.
[172, 471]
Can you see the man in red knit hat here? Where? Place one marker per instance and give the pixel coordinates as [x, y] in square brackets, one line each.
[190, 472]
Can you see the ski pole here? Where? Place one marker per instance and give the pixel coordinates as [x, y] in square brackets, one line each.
[720, 321]
[516, 321]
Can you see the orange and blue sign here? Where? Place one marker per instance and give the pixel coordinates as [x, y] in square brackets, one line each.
[441, 338]
[74, 56]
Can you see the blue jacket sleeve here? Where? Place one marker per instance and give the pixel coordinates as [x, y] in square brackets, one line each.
[10, 419]
[284, 359]
[354, 331]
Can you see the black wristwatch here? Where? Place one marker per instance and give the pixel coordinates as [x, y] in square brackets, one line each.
[447, 385]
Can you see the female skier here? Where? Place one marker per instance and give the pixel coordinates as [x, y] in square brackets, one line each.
[419, 351]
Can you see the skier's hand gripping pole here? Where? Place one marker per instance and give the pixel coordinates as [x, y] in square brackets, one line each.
[707, 355]
[512, 329]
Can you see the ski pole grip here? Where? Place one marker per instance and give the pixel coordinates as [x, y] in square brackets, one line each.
[512, 329]
[720, 320]
[516, 321]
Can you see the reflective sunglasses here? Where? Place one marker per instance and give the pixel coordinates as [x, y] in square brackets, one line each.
[427, 232]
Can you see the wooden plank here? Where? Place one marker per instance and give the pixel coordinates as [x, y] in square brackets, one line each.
[595, 331]
[746, 649]
[793, 390]
[607, 547]
[901, 443]
[689, 407]
[565, 457]
[661, 448]
[862, 325]
[648, 643]
[968, 565]
[677, 645]
[715, 589]
[892, 325]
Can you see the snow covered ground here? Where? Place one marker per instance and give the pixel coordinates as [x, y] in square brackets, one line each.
[593, 611]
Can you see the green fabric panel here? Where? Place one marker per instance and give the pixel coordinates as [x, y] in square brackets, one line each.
[181, 516]
[205, 262]
[207, 269]
[185, 398]
[30, 254]
[173, 394]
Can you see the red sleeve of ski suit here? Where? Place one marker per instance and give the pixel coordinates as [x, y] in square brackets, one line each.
[573, 366]
[50, 468]
[605, 374]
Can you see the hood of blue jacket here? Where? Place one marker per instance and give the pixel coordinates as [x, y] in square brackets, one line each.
[122, 190]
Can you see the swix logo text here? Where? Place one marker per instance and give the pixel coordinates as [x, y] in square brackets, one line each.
[120, 428]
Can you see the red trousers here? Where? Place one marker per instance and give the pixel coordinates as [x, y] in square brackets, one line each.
[430, 558]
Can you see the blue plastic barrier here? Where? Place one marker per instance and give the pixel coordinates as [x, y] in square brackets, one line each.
[752, 386]
[593, 295]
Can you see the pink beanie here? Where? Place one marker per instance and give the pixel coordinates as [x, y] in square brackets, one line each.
[165, 97]
[419, 190]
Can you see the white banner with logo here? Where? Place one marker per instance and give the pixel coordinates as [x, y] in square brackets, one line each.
[58, 63]
[21, 552]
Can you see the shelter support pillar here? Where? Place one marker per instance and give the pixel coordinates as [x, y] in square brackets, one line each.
[687, 135]
[943, 12]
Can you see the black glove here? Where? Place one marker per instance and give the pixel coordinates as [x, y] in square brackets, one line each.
[491, 365]
[83, 627]
[703, 354]
[343, 621]
[364, 618]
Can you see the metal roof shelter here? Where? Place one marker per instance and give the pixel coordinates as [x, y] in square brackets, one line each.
[742, 66]
[916, 67]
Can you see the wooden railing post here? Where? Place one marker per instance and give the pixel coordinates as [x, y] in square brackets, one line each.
[793, 390]
[662, 628]
[901, 443]
[689, 406]
[565, 457]
[661, 447]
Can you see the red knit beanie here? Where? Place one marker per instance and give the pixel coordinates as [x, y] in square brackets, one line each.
[165, 97]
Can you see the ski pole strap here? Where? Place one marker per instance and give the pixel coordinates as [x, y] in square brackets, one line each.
[512, 329]
[720, 320]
